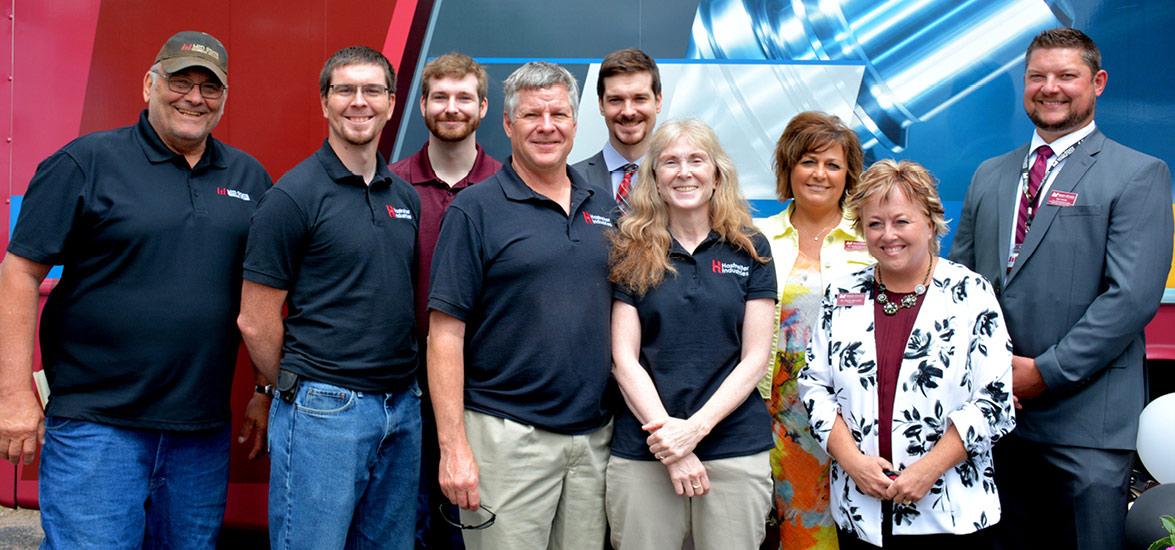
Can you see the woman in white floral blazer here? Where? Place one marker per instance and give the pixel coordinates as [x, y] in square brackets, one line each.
[908, 380]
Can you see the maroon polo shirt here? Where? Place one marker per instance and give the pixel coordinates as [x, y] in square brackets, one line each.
[435, 197]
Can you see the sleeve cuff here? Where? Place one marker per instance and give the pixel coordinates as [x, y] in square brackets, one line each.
[620, 295]
[1050, 370]
[451, 310]
[820, 424]
[267, 280]
[32, 255]
[822, 412]
[769, 294]
[973, 428]
[765, 383]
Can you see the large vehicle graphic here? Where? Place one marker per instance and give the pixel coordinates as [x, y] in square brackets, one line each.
[935, 81]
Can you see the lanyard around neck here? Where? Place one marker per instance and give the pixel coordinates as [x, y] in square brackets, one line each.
[1034, 198]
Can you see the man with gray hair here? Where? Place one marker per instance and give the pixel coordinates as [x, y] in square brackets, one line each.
[138, 344]
[519, 349]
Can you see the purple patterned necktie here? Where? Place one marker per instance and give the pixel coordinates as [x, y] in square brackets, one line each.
[1029, 198]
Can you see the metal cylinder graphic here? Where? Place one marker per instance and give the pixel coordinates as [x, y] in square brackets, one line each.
[919, 56]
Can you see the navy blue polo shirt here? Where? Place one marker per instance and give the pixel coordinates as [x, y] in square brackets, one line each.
[345, 252]
[141, 329]
[531, 284]
[691, 340]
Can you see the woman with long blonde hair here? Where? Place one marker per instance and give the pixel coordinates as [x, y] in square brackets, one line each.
[691, 330]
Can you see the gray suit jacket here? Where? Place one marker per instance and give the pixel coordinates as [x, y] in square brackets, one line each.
[1088, 280]
[595, 170]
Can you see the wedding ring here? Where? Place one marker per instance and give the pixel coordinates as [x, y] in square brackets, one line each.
[697, 485]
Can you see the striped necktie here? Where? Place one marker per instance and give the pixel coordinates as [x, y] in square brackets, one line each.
[625, 187]
[1029, 199]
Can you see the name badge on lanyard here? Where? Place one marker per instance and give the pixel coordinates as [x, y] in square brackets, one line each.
[1033, 198]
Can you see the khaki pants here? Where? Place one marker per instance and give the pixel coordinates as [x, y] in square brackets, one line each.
[546, 488]
[645, 513]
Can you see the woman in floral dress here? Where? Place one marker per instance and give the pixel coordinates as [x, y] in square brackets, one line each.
[817, 163]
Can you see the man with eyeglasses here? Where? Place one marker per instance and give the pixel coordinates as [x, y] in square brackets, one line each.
[336, 239]
[137, 338]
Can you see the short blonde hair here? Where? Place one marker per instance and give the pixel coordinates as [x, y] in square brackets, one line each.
[913, 179]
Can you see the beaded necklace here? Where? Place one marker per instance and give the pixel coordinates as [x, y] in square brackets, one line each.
[907, 300]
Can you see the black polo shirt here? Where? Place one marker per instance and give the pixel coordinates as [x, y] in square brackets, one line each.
[345, 252]
[141, 329]
[691, 340]
[531, 285]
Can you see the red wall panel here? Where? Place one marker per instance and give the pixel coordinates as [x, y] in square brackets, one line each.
[78, 67]
[7, 471]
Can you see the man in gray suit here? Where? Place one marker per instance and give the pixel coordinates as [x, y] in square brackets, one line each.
[629, 89]
[1077, 240]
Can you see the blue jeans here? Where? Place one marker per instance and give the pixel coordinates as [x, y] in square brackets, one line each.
[344, 468]
[108, 487]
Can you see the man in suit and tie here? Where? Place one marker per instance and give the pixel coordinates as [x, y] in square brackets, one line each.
[629, 89]
[1075, 231]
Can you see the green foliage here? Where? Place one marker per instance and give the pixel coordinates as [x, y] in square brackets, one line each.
[1169, 540]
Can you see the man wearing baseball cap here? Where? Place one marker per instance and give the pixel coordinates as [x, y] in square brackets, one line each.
[138, 337]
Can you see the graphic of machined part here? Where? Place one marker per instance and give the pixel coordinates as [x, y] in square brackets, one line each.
[758, 98]
[920, 56]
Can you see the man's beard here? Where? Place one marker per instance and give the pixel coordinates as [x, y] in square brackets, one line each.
[451, 134]
[627, 140]
[1068, 123]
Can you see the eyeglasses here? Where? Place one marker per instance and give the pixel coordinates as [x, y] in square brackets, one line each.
[457, 523]
[369, 91]
[209, 89]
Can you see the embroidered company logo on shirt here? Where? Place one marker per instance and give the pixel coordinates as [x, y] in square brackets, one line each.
[592, 219]
[724, 268]
[399, 213]
[224, 191]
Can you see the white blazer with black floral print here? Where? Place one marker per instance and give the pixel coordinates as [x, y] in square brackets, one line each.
[956, 369]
